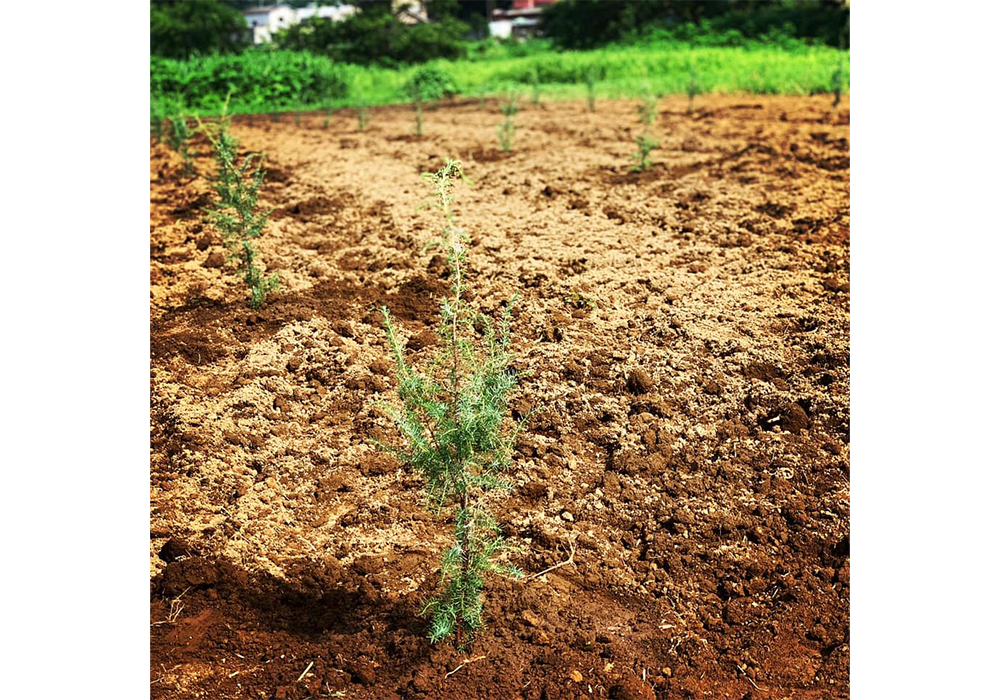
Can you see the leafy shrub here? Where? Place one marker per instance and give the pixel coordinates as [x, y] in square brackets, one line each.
[430, 84]
[261, 80]
[452, 421]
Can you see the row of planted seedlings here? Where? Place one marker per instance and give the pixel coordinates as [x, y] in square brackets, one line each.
[239, 218]
[453, 415]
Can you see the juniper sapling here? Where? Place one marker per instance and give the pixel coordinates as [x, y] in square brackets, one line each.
[416, 94]
[453, 422]
[838, 82]
[646, 144]
[507, 130]
[179, 135]
[590, 78]
[362, 109]
[536, 87]
[647, 110]
[693, 88]
[236, 214]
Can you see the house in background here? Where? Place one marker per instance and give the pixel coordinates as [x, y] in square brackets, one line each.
[265, 22]
[521, 21]
[410, 11]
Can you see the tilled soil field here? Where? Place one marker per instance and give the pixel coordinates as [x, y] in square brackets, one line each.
[686, 337]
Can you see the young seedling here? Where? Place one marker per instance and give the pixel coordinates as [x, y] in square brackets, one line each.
[693, 88]
[326, 117]
[647, 110]
[579, 302]
[646, 144]
[362, 110]
[157, 117]
[416, 97]
[507, 130]
[452, 421]
[298, 119]
[838, 73]
[838, 82]
[590, 78]
[179, 135]
[236, 214]
[536, 87]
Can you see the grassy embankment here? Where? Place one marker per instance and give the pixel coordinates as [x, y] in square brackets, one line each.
[274, 81]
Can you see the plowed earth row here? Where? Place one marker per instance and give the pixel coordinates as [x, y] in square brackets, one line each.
[686, 331]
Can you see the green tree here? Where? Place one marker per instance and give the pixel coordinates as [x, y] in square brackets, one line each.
[374, 36]
[195, 27]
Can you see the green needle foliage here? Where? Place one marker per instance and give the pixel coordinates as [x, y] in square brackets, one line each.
[646, 144]
[507, 130]
[452, 421]
[236, 214]
[536, 87]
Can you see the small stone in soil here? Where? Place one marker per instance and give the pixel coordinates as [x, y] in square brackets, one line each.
[639, 381]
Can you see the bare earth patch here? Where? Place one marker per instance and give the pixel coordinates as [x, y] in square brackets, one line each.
[686, 330]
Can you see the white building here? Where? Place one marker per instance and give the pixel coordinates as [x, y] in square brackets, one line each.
[265, 22]
[334, 13]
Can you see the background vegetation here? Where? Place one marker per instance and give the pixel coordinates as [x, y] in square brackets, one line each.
[732, 47]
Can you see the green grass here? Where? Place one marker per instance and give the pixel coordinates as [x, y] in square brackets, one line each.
[623, 72]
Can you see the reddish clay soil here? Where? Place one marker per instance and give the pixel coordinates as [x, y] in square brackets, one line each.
[686, 331]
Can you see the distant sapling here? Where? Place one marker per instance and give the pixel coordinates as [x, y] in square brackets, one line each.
[236, 214]
[590, 78]
[178, 136]
[647, 110]
[646, 144]
[536, 87]
[507, 130]
[416, 97]
[838, 82]
[453, 421]
[693, 87]
[362, 109]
